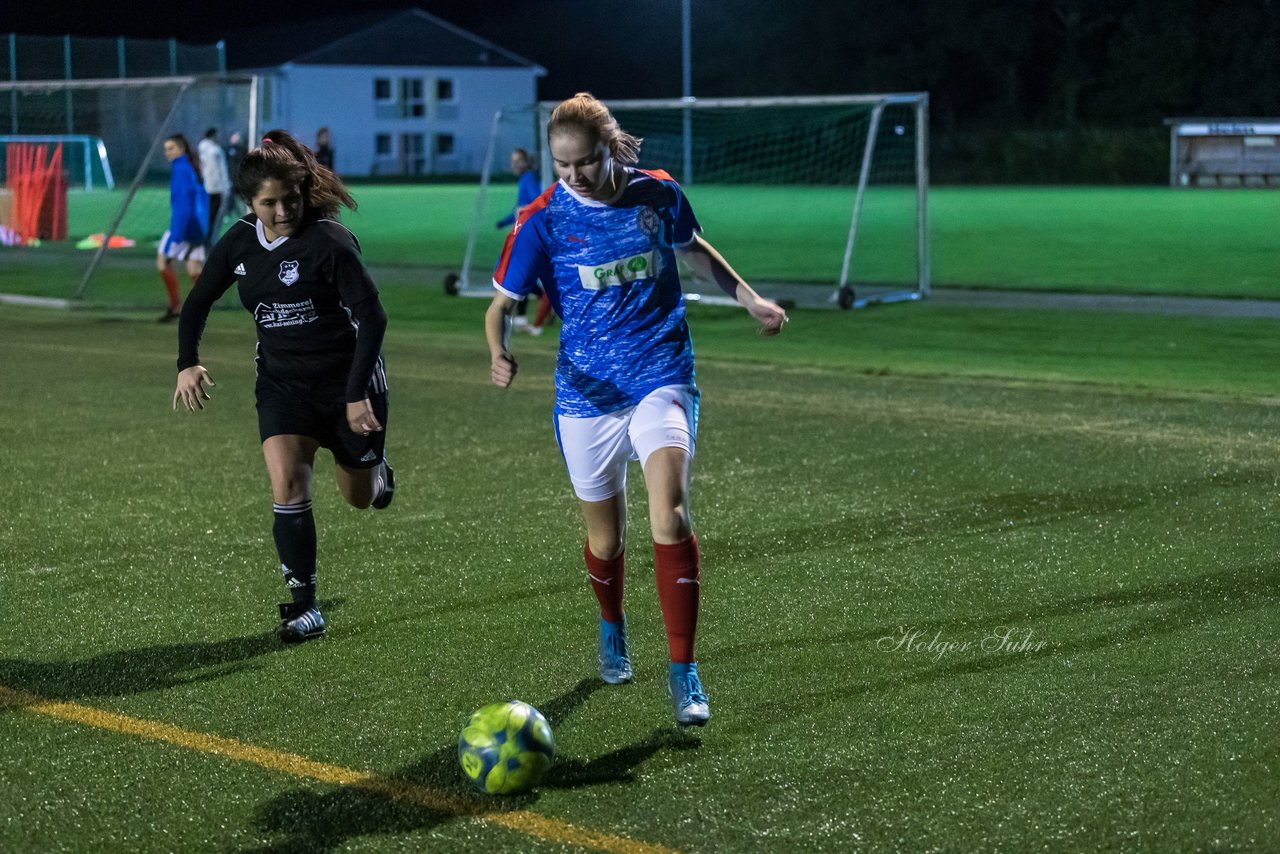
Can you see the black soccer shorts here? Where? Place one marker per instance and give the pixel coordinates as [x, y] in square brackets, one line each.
[283, 410]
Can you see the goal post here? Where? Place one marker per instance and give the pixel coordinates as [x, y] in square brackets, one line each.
[818, 200]
[125, 121]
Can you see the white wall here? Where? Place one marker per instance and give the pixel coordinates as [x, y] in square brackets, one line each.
[306, 97]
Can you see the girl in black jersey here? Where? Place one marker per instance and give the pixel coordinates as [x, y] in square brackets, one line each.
[321, 382]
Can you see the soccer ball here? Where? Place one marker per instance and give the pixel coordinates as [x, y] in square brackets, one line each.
[506, 748]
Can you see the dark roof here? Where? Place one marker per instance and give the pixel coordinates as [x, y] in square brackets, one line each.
[410, 37]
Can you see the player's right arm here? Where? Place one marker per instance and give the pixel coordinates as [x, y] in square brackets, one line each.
[524, 256]
[191, 388]
[497, 332]
[216, 278]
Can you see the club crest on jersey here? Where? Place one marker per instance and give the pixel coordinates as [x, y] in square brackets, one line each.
[648, 221]
[288, 272]
[614, 273]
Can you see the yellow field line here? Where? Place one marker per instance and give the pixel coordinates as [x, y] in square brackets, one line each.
[521, 821]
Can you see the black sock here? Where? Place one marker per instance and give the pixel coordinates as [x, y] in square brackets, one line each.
[295, 535]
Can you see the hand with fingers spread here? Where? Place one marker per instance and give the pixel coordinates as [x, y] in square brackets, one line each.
[360, 418]
[191, 388]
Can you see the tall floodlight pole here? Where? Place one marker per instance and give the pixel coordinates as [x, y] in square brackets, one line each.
[686, 51]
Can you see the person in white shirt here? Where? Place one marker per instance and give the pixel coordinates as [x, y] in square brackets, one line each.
[217, 183]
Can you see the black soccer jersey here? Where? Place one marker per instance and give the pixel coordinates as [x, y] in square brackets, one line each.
[320, 323]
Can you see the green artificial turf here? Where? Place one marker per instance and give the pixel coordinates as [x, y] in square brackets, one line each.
[1140, 240]
[973, 580]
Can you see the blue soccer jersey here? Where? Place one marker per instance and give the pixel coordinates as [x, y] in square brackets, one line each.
[610, 272]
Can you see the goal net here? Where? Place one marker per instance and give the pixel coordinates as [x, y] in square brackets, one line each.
[109, 137]
[817, 200]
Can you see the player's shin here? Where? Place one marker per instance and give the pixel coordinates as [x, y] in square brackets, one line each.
[678, 571]
[606, 582]
[294, 532]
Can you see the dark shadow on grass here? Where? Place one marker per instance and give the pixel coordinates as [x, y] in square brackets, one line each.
[1158, 609]
[978, 515]
[134, 671]
[432, 791]
[618, 766]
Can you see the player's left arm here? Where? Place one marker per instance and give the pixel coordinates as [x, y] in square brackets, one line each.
[360, 295]
[706, 261]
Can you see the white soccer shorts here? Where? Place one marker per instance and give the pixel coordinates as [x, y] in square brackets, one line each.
[180, 251]
[597, 449]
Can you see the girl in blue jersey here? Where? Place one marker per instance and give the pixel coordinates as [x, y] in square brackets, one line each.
[188, 221]
[604, 241]
[527, 189]
[321, 382]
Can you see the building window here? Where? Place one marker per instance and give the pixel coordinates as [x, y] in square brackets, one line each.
[413, 159]
[412, 104]
[444, 89]
[382, 89]
[382, 145]
[444, 144]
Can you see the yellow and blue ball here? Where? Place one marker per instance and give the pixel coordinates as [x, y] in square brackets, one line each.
[506, 748]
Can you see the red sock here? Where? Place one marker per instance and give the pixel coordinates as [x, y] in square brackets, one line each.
[606, 581]
[171, 285]
[544, 309]
[678, 569]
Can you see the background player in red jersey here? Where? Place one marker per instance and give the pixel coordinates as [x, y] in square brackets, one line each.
[604, 242]
[320, 377]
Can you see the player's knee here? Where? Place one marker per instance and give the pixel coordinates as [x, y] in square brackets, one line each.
[670, 524]
[290, 491]
[605, 546]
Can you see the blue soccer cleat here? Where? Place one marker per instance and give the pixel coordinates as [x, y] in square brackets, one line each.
[687, 696]
[615, 663]
[300, 624]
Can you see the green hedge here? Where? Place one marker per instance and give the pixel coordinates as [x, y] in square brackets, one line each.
[1082, 156]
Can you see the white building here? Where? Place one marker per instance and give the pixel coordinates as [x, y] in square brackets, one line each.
[402, 93]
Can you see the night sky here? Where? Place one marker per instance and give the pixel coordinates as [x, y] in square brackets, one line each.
[567, 37]
[988, 65]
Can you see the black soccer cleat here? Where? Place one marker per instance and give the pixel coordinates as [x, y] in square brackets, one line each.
[298, 624]
[383, 498]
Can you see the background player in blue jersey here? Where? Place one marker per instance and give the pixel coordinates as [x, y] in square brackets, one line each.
[188, 221]
[527, 190]
[320, 377]
[604, 242]
[527, 186]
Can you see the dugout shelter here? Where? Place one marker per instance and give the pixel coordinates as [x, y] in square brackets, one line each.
[1224, 152]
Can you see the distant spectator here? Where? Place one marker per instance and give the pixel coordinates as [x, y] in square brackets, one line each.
[217, 181]
[324, 149]
[235, 153]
